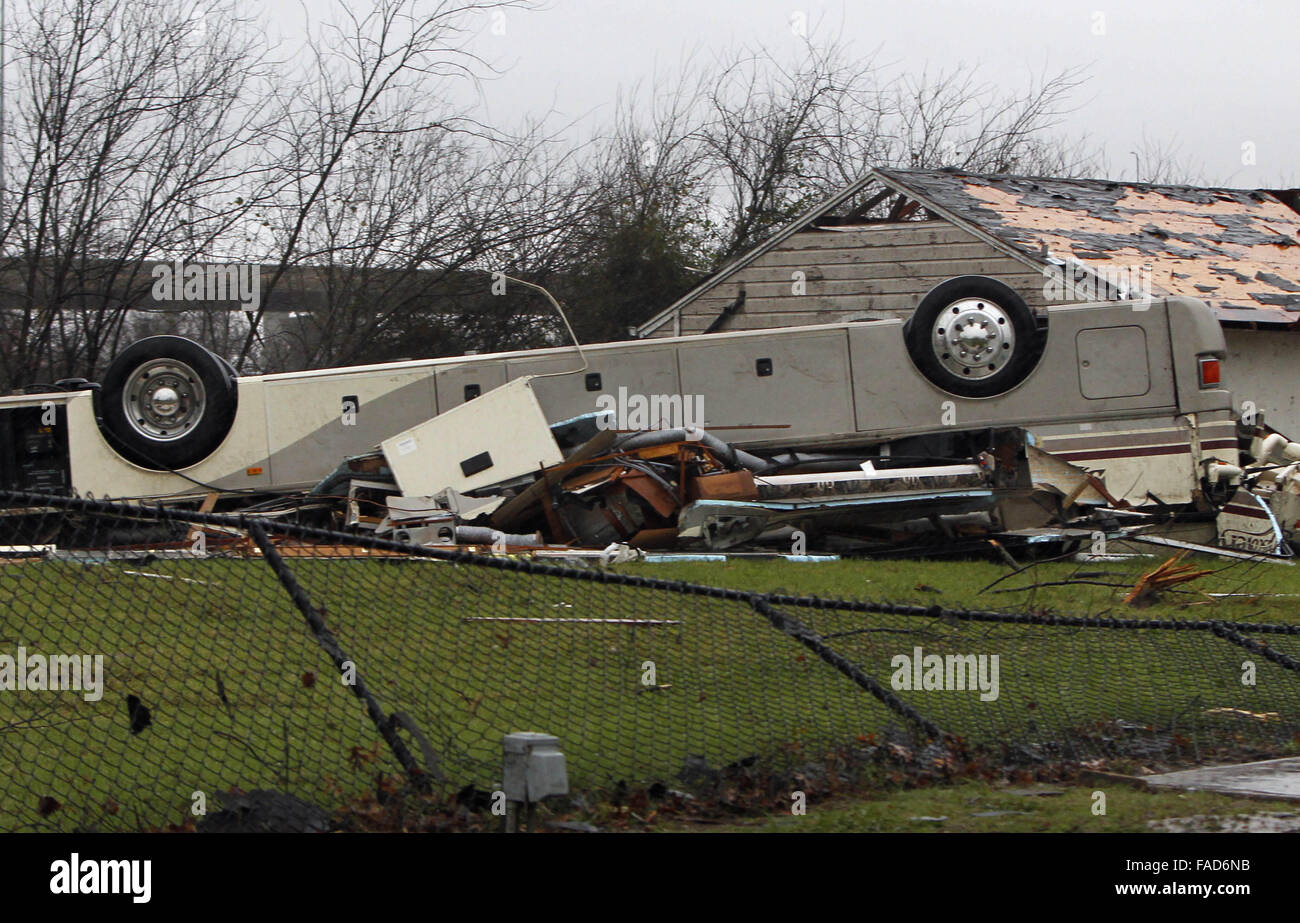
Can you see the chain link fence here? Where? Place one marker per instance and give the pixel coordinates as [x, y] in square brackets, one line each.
[153, 660]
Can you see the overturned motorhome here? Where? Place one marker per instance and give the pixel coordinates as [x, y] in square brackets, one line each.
[857, 436]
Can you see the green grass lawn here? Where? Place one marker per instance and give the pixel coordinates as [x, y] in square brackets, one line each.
[428, 640]
[960, 584]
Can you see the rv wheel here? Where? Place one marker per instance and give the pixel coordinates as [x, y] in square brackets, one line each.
[973, 336]
[167, 402]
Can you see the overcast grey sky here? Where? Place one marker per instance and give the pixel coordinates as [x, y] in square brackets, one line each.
[1201, 76]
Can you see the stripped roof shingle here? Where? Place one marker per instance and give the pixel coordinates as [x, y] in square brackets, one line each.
[1238, 250]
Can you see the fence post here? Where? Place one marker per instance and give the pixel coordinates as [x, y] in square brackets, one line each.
[383, 723]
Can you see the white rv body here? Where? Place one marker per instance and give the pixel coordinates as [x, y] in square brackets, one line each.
[1116, 389]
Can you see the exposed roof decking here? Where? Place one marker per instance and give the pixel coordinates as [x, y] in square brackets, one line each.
[1238, 250]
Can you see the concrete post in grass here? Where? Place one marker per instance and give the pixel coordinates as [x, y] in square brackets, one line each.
[533, 769]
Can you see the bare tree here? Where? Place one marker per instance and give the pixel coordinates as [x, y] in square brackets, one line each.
[1155, 160]
[730, 149]
[954, 120]
[129, 132]
[370, 78]
[769, 129]
[403, 260]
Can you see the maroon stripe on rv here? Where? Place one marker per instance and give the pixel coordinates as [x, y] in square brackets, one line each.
[1127, 453]
[1096, 440]
[1142, 451]
[1077, 443]
[1248, 512]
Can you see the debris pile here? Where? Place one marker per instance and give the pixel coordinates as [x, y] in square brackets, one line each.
[494, 473]
[584, 483]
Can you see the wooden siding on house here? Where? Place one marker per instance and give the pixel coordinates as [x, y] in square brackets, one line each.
[858, 274]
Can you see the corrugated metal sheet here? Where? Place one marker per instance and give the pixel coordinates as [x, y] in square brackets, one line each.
[1238, 250]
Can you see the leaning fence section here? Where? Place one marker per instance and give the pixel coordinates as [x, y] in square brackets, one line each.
[154, 661]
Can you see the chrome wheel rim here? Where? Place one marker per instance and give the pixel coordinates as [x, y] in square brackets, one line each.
[973, 338]
[164, 400]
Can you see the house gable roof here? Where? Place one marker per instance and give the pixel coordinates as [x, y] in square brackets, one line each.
[1236, 249]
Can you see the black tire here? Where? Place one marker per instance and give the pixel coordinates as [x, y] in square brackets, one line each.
[134, 399]
[1002, 352]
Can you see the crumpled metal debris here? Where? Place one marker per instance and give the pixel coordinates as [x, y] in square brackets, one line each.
[616, 494]
[620, 493]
